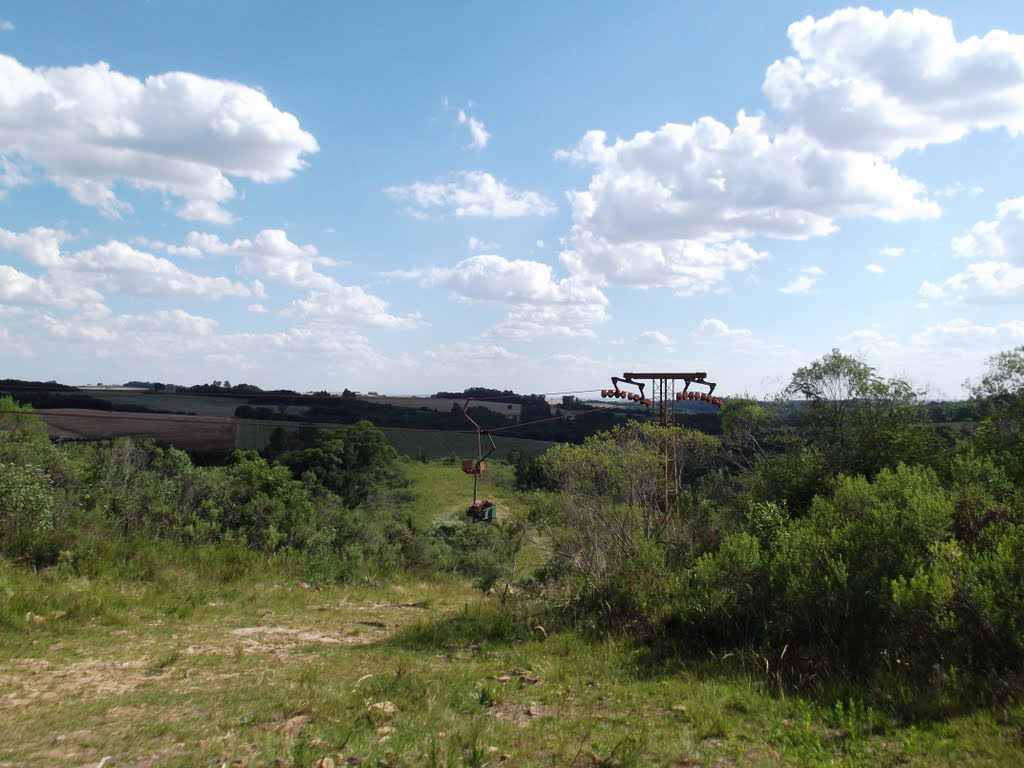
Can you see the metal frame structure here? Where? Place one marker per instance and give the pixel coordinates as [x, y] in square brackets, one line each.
[663, 403]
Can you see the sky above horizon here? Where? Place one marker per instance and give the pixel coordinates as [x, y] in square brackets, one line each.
[413, 197]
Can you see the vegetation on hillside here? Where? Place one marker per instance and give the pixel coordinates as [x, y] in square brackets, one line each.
[836, 538]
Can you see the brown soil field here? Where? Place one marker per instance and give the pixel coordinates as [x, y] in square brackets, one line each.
[190, 432]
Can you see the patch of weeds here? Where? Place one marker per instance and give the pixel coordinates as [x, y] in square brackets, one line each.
[626, 752]
[472, 627]
[163, 661]
[484, 696]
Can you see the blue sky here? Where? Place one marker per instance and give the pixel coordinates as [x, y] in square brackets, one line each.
[406, 197]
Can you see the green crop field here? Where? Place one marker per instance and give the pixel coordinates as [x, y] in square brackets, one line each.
[434, 444]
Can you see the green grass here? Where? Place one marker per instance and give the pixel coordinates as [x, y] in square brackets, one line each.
[262, 671]
[439, 491]
[439, 444]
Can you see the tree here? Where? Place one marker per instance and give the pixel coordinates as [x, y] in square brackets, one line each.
[1000, 392]
[613, 486]
[859, 421]
[352, 463]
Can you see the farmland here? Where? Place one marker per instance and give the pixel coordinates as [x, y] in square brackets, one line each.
[188, 432]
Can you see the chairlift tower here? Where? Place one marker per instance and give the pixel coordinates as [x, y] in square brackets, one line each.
[664, 394]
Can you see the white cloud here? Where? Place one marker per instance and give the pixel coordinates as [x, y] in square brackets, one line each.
[671, 207]
[1000, 276]
[865, 81]
[189, 251]
[17, 288]
[497, 279]
[804, 282]
[40, 245]
[90, 127]
[689, 266]
[571, 321]
[6, 26]
[257, 309]
[118, 267]
[872, 342]
[959, 188]
[707, 181]
[998, 240]
[173, 321]
[714, 328]
[875, 269]
[475, 194]
[349, 305]
[540, 304]
[271, 256]
[654, 337]
[930, 290]
[477, 131]
[892, 252]
[961, 333]
[477, 244]
[462, 352]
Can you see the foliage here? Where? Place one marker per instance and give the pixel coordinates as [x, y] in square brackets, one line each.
[1000, 392]
[351, 463]
[859, 421]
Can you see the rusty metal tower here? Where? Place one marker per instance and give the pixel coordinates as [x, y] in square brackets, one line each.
[662, 402]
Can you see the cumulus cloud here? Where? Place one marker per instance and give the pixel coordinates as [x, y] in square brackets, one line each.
[654, 337]
[494, 278]
[997, 274]
[707, 181]
[714, 328]
[865, 81]
[804, 282]
[961, 333]
[40, 245]
[999, 240]
[478, 133]
[474, 194]
[17, 288]
[477, 244]
[892, 251]
[90, 127]
[870, 341]
[120, 268]
[271, 256]
[540, 304]
[529, 323]
[689, 266]
[462, 352]
[672, 207]
[875, 269]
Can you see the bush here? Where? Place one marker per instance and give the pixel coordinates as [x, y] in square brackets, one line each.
[28, 519]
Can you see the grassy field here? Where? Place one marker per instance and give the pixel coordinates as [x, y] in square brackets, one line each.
[438, 491]
[178, 657]
[188, 670]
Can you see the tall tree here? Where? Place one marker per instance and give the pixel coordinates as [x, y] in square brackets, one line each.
[858, 420]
